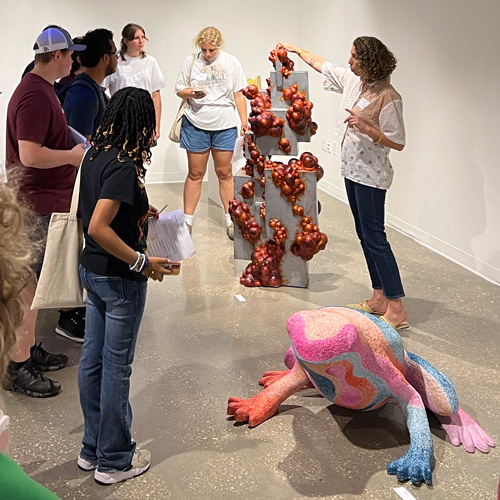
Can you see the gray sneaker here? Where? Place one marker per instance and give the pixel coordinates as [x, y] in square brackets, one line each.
[140, 464]
[86, 464]
[190, 228]
[230, 232]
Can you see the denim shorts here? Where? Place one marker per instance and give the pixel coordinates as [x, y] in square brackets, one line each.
[197, 140]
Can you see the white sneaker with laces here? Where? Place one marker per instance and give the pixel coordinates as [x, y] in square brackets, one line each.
[140, 464]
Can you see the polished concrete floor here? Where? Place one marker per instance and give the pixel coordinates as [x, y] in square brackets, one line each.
[199, 344]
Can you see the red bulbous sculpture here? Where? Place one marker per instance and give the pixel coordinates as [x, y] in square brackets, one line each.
[263, 210]
[282, 54]
[250, 92]
[280, 232]
[285, 145]
[248, 189]
[264, 270]
[309, 241]
[241, 216]
[287, 178]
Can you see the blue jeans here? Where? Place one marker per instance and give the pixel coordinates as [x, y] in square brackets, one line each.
[367, 207]
[114, 312]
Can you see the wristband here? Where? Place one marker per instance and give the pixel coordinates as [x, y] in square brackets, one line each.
[144, 264]
[133, 267]
[379, 140]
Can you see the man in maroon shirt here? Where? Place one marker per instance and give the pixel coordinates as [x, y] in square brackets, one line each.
[41, 153]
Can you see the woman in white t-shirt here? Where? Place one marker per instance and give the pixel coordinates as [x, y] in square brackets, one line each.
[212, 80]
[371, 125]
[136, 69]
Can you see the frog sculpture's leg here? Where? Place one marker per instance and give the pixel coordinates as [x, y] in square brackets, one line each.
[272, 376]
[416, 463]
[265, 404]
[438, 394]
[353, 361]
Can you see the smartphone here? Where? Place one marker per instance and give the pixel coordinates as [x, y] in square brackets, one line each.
[199, 93]
[175, 267]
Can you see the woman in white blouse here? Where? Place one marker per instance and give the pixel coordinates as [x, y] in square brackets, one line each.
[137, 69]
[371, 125]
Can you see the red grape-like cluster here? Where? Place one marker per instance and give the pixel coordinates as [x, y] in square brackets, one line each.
[287, 178]
[309, 241]
[280, 233]
[299, 113]
[248, 189]
[281, 53]
[262, 121]
[241, 216]
[264, 270]
[255, 159]
[263, 210]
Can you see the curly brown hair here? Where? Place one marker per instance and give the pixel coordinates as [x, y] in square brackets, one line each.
[17, 254]
[377, 62]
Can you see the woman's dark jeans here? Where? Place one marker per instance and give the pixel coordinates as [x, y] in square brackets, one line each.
[368, 209]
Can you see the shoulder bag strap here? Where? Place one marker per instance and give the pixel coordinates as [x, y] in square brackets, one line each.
[75, 198]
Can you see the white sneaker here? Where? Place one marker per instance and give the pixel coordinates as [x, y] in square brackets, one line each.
[85, 464]
[140, 464]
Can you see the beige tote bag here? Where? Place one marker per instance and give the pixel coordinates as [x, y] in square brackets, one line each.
[59, 285]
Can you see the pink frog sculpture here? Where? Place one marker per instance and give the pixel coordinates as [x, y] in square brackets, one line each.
[357, 361]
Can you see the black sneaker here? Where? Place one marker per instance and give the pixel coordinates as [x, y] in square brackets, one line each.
[71, 324]
[46, 361]
[28, 380]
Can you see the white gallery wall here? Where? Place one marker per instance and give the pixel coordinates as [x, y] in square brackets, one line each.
[446, 191]
[446, 188]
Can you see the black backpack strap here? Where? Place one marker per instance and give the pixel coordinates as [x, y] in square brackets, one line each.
[61, 92]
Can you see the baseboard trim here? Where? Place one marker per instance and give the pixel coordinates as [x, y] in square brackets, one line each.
[454, 254]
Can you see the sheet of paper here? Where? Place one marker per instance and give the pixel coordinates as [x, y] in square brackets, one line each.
[169, 237]
[76, 136]
[404, 493]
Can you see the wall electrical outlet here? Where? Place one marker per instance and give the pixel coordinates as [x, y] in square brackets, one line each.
[329, 146]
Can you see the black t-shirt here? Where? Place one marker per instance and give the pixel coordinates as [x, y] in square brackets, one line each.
[106, 177]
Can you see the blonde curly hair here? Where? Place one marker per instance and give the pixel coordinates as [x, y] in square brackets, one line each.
[209, 35]
[17, 252]
[377, 62]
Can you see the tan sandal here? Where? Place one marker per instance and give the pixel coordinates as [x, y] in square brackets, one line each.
[364, 307]
[404, 325]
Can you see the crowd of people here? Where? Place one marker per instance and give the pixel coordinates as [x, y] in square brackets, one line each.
[118, 130]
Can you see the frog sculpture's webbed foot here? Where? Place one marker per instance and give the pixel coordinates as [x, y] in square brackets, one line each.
[463, 429]
[270, 377]
[265, 404]
[415, 465]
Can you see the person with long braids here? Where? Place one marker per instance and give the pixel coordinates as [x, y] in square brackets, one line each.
[114, 270]
[371, 125]
[137, 69]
